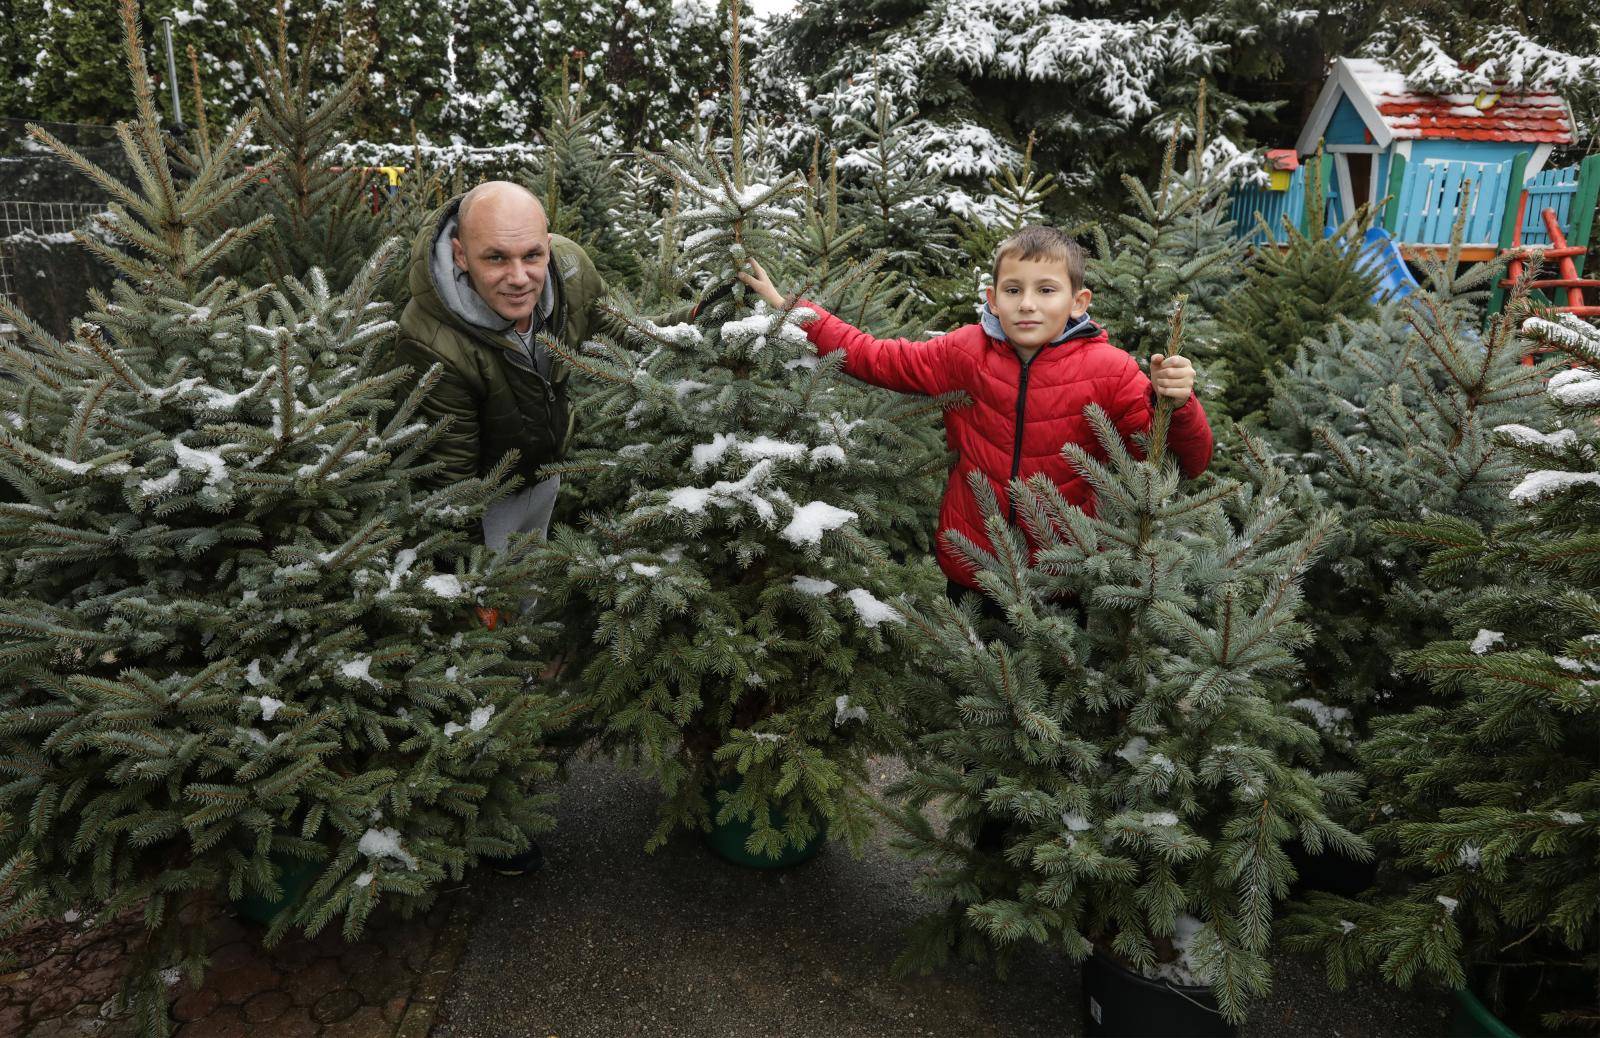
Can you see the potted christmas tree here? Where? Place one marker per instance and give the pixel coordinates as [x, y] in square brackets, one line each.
[745, 653]
[235, 638]
[1487, 792]
[1115, 763]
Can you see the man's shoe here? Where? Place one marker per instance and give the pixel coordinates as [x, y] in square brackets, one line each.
[530, 860]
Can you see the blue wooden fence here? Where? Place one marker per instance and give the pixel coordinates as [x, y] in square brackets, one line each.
[1552, 189]
[1248, 200]
[1432, 194]
[1428, 198]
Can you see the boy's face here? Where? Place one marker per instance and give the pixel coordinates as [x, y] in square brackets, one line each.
[1034, 298]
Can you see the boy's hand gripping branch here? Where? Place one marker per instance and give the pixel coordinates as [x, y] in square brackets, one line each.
[1172, 377]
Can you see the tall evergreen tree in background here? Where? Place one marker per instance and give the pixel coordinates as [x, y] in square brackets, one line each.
[1126, 729]
[1488, 789]
[579, 179]
[893, 197]
[236, 643]
[1177, 241]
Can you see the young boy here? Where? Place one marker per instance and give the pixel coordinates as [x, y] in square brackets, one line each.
[1031, 367]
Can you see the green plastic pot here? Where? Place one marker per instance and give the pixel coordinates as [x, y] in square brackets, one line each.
[294, 878]
[1473, 1019]
[728, 841]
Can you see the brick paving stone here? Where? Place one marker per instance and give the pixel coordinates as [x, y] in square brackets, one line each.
[232, 955]
[294, 955]
[224, 1023]
[98, 984]
[359, 958]
[368, 1022]
[336, 1006]
[381, 981]
[51, 970]
[266, 1007]
[307, 985]
[54, 1000]
[100, 953]
[236, 986]
[193, 1005]
[395, 1008]
[296, 1023]
[225, 929]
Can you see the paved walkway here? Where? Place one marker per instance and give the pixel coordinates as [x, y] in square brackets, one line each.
[611, 941]
[385, 986]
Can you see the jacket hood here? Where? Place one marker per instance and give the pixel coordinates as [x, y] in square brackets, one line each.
[1079, 327]
[446, 291]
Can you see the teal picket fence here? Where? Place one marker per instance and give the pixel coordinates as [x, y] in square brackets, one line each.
[1433, 193]
[1247, 201]
[1552, 189]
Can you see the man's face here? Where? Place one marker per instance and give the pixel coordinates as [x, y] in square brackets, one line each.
[1033, 299]
[504, 246]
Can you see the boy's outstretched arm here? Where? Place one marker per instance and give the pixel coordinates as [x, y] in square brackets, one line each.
[931, 367]
[1189, 432]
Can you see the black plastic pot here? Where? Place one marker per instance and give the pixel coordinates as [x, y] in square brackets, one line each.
[1330, 871]
[1119, 1003]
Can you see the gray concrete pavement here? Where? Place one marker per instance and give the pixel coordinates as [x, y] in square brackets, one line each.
[611, 941]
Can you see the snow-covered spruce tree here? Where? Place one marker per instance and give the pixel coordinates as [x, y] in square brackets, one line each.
[1177, 241]
[322, 212]
[235, 642]
[1292, 294]
[1390, 419]
[1487, 791]
[579, 179]
[746, 636]
[653, 63]
[1127, 728]
[893, 198]
[1105, 92]
[827, 260]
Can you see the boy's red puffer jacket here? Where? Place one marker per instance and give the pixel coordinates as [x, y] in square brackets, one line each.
[1020, 416]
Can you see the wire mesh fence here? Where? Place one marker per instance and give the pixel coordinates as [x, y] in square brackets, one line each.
[36, 224]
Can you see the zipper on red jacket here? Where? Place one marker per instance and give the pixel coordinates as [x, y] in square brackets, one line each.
[1016, 447]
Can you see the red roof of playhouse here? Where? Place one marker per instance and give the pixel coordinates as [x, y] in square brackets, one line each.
[1380, 96]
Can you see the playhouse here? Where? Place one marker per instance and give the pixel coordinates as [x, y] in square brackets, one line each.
[1422, 158]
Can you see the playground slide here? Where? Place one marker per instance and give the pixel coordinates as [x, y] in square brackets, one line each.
[1381, 255]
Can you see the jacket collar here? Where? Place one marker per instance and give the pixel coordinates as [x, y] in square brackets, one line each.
[1079, 327]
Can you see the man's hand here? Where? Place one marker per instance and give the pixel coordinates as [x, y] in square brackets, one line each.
[762, 285]
[1172, 377]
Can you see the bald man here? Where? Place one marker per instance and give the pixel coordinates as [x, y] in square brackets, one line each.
[487, 280]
